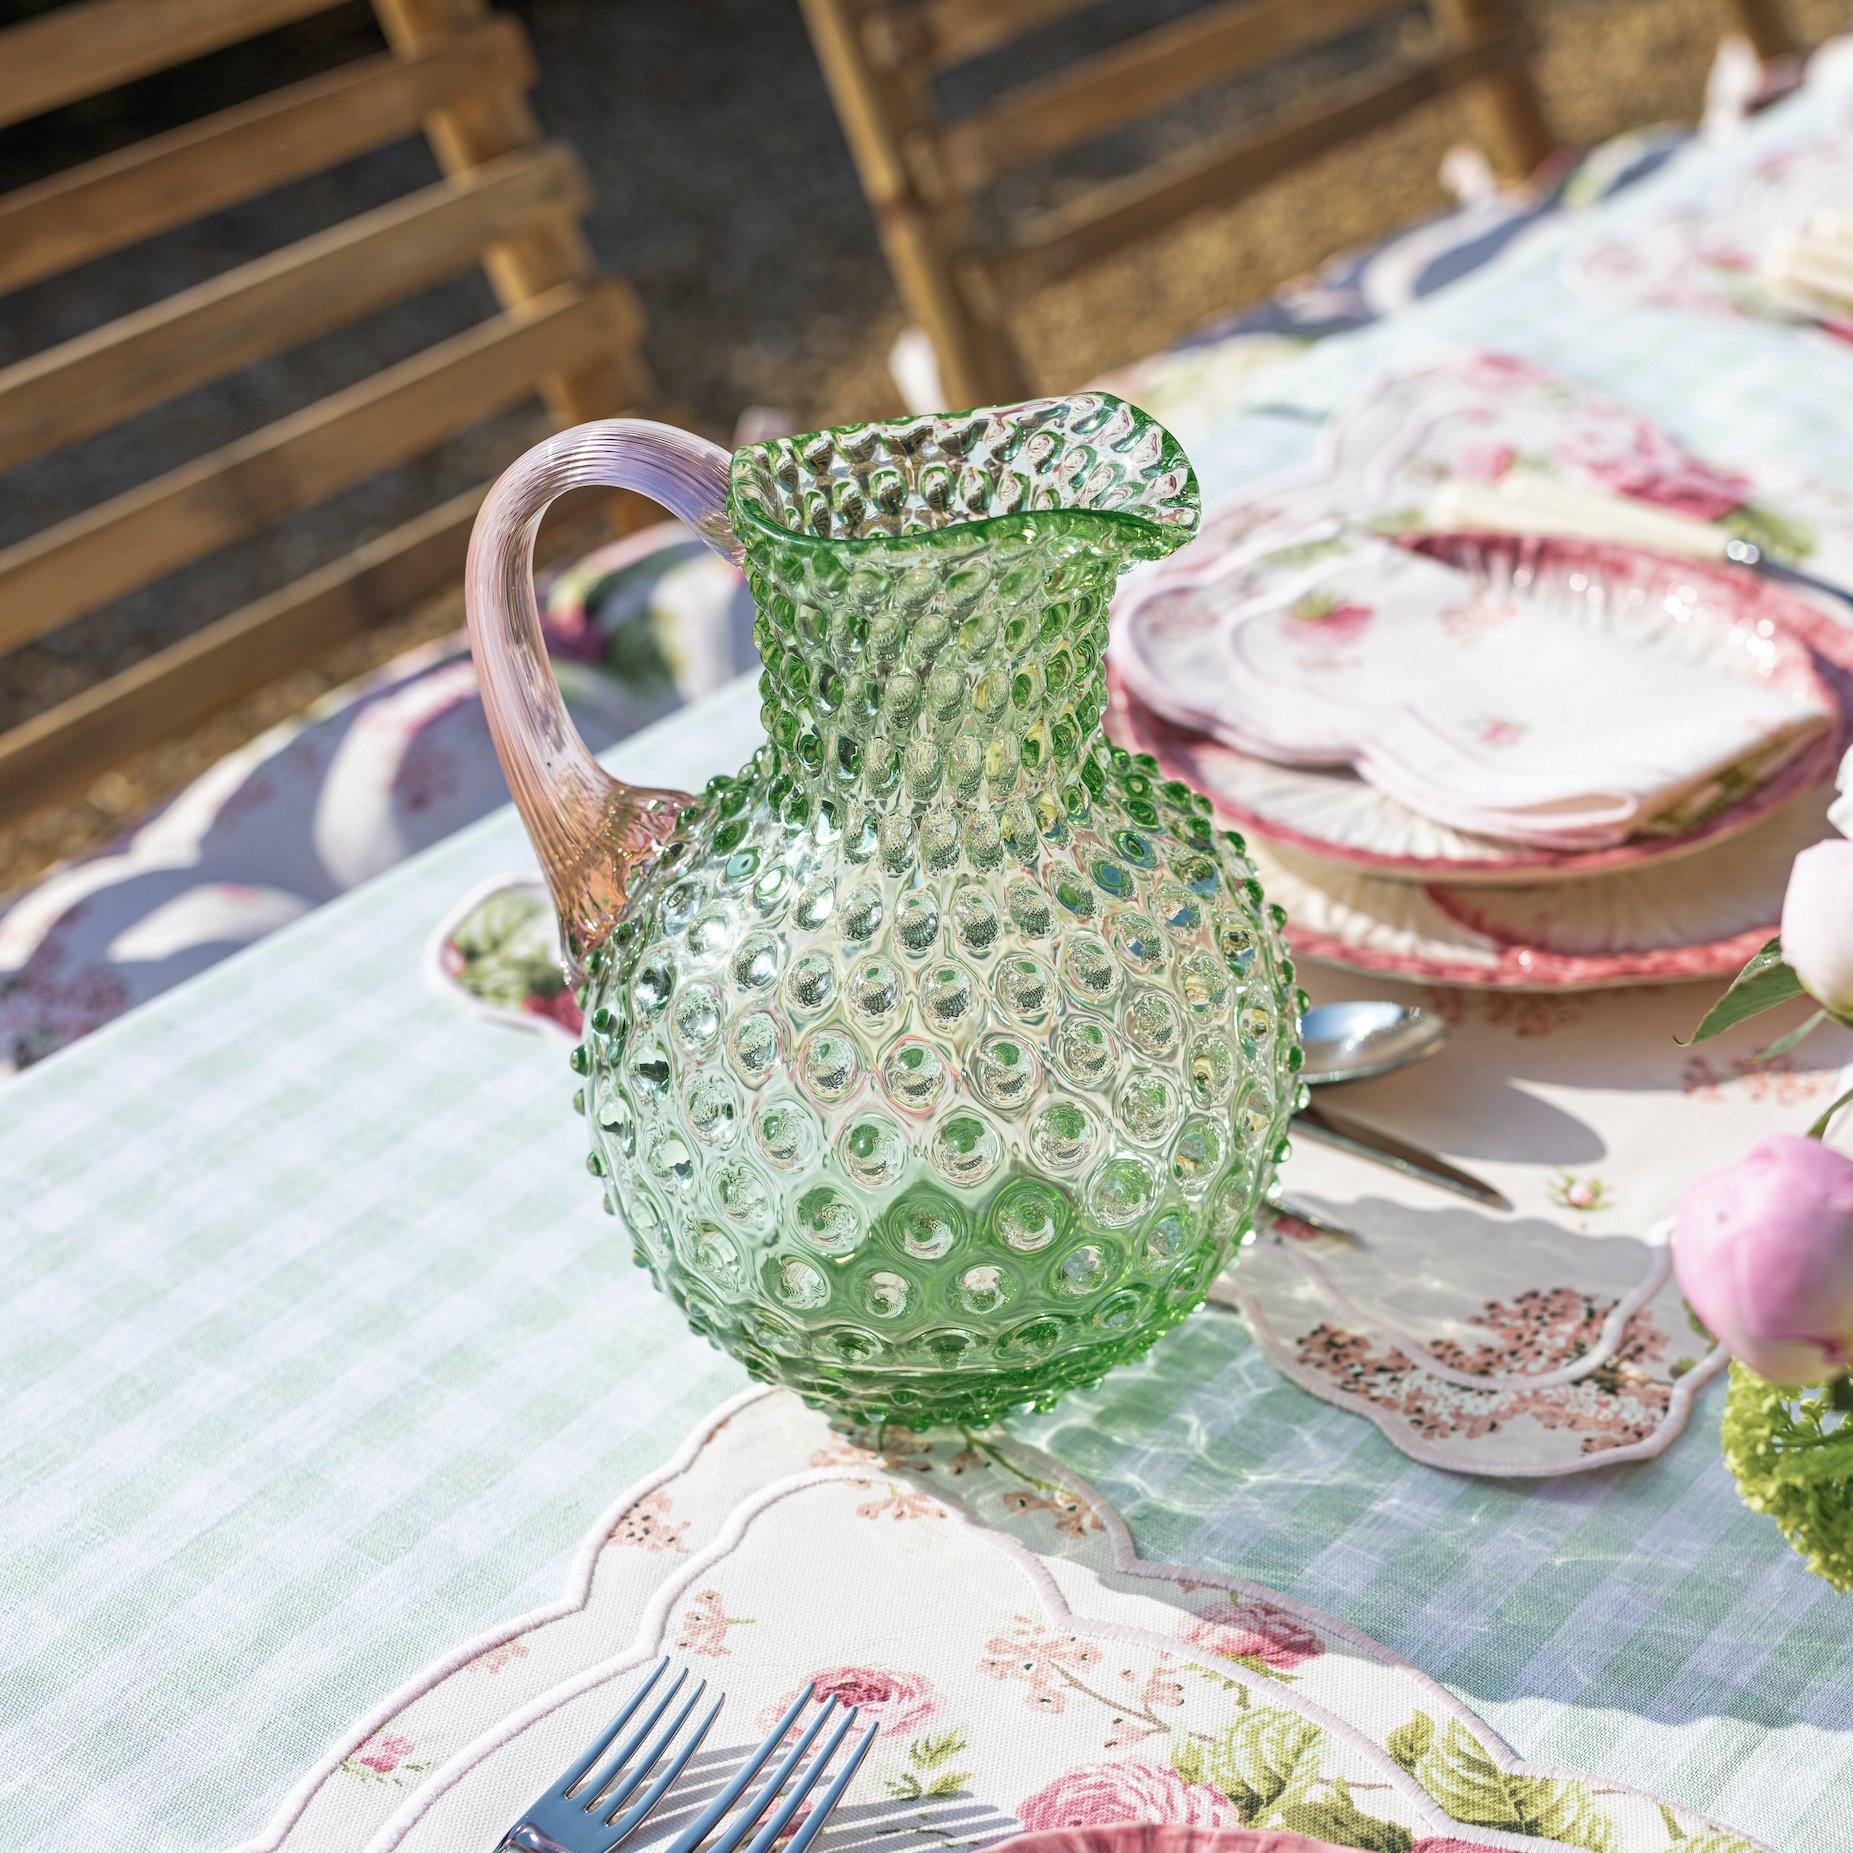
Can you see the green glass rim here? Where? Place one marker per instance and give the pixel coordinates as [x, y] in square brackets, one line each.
[1131, 535]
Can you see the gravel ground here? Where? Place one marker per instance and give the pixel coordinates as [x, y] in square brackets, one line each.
[726, 195]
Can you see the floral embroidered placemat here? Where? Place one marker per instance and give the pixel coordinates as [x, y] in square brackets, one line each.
[1551, 1338]
[988, 1610]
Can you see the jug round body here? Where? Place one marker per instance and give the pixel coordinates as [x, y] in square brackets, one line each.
[930, 1136]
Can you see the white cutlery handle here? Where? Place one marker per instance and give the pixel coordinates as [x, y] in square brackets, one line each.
[1527, 502]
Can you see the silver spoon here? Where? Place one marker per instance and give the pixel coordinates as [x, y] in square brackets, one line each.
[1363, 1038]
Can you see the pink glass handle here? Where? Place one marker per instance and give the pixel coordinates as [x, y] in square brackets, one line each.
[589, 830]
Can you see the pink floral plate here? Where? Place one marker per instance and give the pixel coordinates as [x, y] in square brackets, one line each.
[1748, 627]
[1698, 916]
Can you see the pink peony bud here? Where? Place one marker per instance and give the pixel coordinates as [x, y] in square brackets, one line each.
[1817, 923]
[1764, 1252]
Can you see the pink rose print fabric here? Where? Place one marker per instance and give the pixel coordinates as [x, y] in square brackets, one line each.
[1105, 1794]
[900, 1703]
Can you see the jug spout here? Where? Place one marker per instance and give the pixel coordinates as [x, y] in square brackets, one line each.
[592, 833]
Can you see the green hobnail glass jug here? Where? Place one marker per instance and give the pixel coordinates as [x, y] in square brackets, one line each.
[940, 1057]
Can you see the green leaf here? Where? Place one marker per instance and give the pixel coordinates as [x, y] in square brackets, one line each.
[1715, 1840]
[1339, 1821]
[1191, 1760]
[1459, 1772]
[1819, 1129]
[1266, 1760]
[930, 1752]
[510, 920]
[1409, 1743]
[1763, 984]
[1793, 1040]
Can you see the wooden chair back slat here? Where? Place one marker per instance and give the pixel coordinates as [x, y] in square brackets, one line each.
[1110, 217]
[921, 171]
[939, 34]
[168, 180]
[95, 380]
[79, 51]
[174, 690]
[1766, 24]
[453, 71]
[246, 486]
[1144, 74]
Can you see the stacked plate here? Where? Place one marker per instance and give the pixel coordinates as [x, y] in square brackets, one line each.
[1482, 759]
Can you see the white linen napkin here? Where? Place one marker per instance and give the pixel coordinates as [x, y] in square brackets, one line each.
[1565, 723]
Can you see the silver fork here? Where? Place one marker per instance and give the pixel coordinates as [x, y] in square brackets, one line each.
[591, 1808]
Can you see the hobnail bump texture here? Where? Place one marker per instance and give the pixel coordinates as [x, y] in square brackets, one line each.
[942, 1058]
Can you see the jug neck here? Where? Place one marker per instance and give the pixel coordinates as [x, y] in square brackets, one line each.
[966, 672]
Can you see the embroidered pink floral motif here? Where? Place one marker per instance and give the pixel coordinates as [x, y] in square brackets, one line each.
[384, 1757]
[901, 1703]
[1537, 1330]
[1046, 1662]
[1101, 1794]
[1069, 1512]
[1584, 1194]
[1162, 1685]
[900, 1502]
[1624, 1400]
[505, 1653]
[1529, 1015]
[1777, 1081]
[647, 1524]
[705, 1622]
[1252, 1631]
[896, 1447]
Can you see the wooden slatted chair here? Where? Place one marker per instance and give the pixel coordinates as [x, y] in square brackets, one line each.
[452, 70]
[923, 172]
[1766, 24]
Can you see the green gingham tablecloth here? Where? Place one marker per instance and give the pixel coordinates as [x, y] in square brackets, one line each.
[319, 1356]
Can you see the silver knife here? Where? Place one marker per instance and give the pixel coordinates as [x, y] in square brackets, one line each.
[1347, 1135]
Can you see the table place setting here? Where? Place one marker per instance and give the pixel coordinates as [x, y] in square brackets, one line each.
[1013, 1658]
[1768, 244]
[1423, 862]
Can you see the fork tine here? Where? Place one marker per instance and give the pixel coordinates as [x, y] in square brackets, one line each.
[613, 1766]
[814, 1823]
[622, 1829]
[576, 1774]
[792, 1802]
[621, 1780]
[698, 1830]
[742, 1823]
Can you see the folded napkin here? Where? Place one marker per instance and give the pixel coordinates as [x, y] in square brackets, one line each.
[1546, 717]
